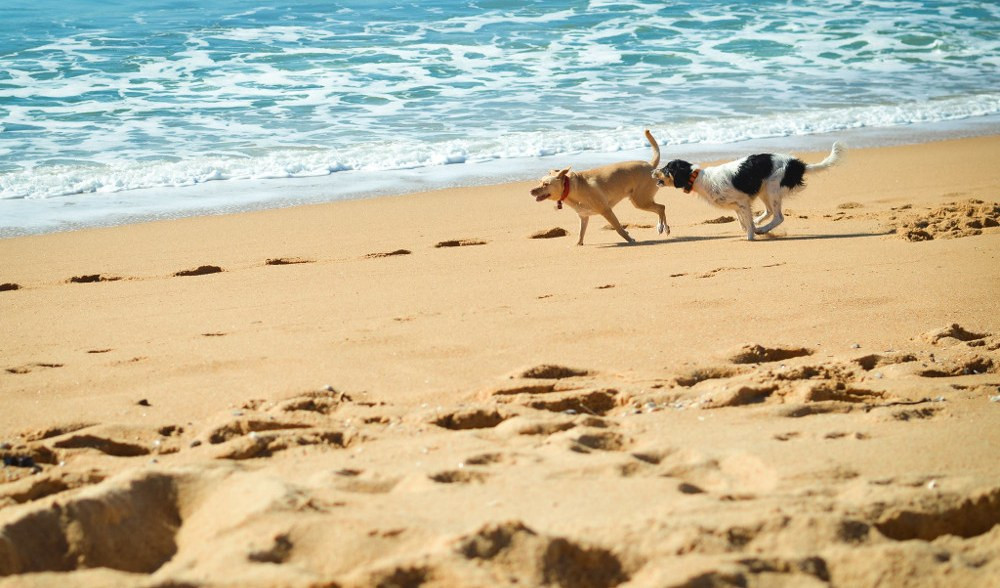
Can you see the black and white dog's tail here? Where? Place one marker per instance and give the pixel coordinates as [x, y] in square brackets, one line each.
[835, 156]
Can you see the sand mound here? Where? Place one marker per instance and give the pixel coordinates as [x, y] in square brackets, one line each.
[952, 331]
[552, 372]
[951, 221]
[761, 354]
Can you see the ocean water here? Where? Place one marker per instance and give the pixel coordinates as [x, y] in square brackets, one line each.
[114, 111]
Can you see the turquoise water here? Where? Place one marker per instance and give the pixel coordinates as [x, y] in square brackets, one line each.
[100, 98]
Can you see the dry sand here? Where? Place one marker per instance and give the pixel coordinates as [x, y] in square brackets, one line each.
[347, 404]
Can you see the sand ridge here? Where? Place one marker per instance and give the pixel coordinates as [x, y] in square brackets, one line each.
[541, 431]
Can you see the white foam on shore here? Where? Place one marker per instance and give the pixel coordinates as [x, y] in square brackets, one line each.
[68, 179]
[42, 215]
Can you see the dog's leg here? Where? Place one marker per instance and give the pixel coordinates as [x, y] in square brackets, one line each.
[611, 218]
[657, 209]
[745, 216]
[774, 200]
[777, 220]
[764, 213]
[584, 219]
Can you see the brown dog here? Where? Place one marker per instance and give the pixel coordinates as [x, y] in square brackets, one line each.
[598, 190]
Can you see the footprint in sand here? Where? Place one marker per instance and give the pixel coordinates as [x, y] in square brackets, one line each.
[27, 369]
[484, 459]
[600, 441]
[870, 362]
[741, 396]
[952, 334]
[388, 254]
[41, 485]
[92, 278]
[131, 360]
[916, 414]
[844, 435]
[711, 273]
[261, 435]
[843, 393]
[470, 418]
[967, 367]
[628, 226]
[705, 373]
[508, 550]
[105, 445]
[937, 514]
[54, 431]
[552, 372]
[743, 473]
[241, 427]
[551, 233]
[287, 261]
[557, 392]
[462, 476]
[460, 243]
[256, 445]
[200, 271]
[321, 402]
[504, 547]
[145, 506]
[720, 220]
[278, 552]
[593, 402]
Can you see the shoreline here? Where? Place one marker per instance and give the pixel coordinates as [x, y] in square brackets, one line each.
[412, 388]
[231, 196]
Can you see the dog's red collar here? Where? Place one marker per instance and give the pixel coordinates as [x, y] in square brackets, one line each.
[690, 184]
[565, 192]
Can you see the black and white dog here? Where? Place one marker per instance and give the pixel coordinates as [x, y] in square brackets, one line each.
[772, 176]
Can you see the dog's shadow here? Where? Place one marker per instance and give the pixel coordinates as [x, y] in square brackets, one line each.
[759, 239]
[766, 238]
[686, 239]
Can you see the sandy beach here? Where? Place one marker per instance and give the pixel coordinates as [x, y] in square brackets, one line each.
[413, 391]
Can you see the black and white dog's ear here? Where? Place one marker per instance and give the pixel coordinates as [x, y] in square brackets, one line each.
[680, 171]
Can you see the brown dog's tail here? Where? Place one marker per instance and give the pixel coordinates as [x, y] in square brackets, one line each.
[656, 149]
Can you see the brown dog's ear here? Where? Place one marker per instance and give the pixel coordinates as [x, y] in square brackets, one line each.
[563, 172]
